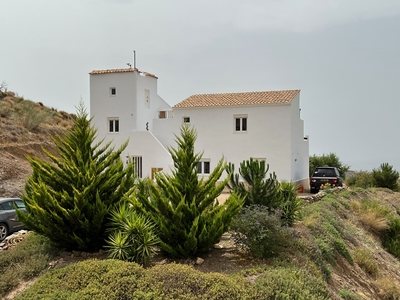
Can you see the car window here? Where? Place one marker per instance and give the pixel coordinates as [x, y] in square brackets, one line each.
[6, 205]
[19, 204]
[325, 173]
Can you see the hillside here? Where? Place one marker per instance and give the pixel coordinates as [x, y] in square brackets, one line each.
[25, 128]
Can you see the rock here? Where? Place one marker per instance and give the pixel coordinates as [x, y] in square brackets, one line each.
[163, 262]
[218, 246]
[199, 261]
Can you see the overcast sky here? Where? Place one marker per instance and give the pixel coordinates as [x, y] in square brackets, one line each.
[344, 55]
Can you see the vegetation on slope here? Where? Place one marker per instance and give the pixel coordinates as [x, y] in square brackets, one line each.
[334, 251]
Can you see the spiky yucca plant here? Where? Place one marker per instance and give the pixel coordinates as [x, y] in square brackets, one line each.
[256, 187]
[184, 208]
[132, 237]
[69, 195]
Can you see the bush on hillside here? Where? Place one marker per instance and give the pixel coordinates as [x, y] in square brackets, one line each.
[68, 197]
[132, 236]
[259, 232]
[31, 116]
[290, 204]
[289, 283]
[115, 280]
[174, 281]
[329, 233]
[362, 179]
[385, 176]
[24, 261]
[391, 238]
[330, 160]
[183, 206]
[255, 188]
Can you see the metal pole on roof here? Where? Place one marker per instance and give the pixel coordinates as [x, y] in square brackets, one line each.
[134, 59]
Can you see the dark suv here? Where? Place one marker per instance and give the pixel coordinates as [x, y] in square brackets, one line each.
[324, 175]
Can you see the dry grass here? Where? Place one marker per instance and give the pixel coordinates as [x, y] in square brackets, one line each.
[388, 290]
[365, 259]
[373, 221]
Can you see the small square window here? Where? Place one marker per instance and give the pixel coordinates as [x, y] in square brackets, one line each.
[240, 123]
[113, 125]
[186, 119]
[203, 167]
[113, 91]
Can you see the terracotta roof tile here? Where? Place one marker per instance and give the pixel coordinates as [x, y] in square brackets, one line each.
[236, 99]
[123, 70]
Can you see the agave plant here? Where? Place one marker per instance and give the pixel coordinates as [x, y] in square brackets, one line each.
[132, 236]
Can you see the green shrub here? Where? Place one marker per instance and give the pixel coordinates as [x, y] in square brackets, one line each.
[24, 261]
[362, 179]
[385, 176]
[259, 232]
[183, 282]
[31, 116]
[256, 188]
[89, 279]
[69, 195]
[132, 237]
[290, 204]
[184, 208]
[391, 237]
[348, 295]
[115, 280]
[327, 229]
[289, 283]
[331, 160]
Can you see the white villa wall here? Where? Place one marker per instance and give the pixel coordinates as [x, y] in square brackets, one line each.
[103, 105]
[268, 134]
[148, 110]
[300, 146]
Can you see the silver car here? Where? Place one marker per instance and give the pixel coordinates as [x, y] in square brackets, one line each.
[8, 217]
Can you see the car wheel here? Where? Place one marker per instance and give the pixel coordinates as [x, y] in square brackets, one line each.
[3, 231]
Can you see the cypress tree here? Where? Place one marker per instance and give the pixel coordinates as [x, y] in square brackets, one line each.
[185, 209]
[69, 195]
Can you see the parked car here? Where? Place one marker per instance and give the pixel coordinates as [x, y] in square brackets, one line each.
[324, 175]
[8, 217]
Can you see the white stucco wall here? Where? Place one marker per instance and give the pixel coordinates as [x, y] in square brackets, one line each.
[300, 146]
[268, 134]
[130, 106]
[148, 109]
[123, 105]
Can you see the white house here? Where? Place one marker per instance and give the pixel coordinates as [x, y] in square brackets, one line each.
[124, 104]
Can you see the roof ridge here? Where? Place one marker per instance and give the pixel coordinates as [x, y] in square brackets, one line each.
[249, 92]
[121, 70]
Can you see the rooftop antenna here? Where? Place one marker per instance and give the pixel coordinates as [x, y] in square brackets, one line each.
[134, 59]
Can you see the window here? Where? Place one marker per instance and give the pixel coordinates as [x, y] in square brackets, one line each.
[138, 163]
[113, 124]
[186, 119]
[203, 167]
[240, 123]
[113, 91]
[6, 205]
[147, 97]
[19, 204]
